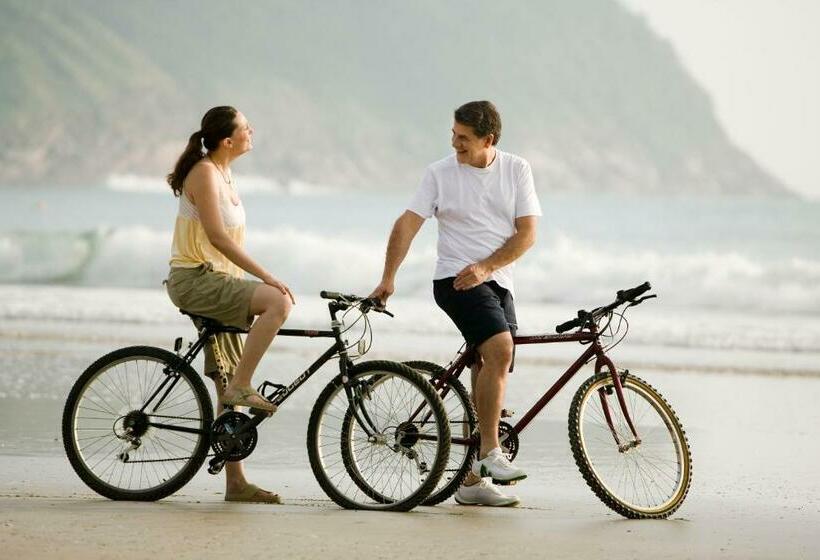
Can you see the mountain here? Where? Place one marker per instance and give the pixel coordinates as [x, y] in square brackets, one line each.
[357, 94]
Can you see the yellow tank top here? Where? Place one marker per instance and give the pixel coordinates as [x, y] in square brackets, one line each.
[191, 247]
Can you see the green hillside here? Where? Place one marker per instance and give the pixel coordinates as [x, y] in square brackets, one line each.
[357, 94]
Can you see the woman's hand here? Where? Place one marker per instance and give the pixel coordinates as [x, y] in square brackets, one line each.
[281, 286]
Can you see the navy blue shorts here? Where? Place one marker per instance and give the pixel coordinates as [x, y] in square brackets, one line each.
[480, 312]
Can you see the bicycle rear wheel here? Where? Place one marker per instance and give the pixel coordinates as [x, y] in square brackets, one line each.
[135, 425]
[646, 477]
[463, 422]
[395, 467]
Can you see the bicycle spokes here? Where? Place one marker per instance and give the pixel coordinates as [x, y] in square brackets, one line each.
[121, 443]
[647, 473]
[368, 451]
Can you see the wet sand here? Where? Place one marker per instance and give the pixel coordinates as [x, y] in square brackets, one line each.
[755, 491]
[756, 494]
[200, 525]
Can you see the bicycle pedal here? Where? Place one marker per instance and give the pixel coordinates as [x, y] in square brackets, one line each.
[259, 411]
[216, 465]
[505, 482]
[507, 413]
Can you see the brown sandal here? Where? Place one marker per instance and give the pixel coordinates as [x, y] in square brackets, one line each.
[242, 396]
[254, 495]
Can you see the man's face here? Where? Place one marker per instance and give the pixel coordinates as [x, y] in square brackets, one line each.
[470, 149]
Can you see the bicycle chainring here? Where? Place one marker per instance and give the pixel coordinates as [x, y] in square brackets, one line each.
[226, 442]
[508, 438]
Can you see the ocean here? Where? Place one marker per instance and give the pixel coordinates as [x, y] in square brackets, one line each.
[732, 341]
[738, 280]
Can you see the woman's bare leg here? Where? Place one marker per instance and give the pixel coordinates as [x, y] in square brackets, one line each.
[235, 480]
[272, 309]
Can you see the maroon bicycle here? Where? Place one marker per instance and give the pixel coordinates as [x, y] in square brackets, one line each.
[625, 438]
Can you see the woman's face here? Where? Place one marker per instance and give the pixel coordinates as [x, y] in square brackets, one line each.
[241, 140]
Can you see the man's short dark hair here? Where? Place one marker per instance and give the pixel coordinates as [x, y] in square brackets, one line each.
[482, 116]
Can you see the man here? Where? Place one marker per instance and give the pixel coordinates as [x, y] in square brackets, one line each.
[486, 206]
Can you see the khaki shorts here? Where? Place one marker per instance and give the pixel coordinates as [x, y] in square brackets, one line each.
[216, 295]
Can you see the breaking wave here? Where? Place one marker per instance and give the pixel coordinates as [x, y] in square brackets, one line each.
[560, 270]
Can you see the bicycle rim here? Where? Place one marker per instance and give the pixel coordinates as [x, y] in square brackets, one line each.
[650, 478]
[120, 454]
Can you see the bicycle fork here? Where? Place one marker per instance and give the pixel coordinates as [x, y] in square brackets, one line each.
[603, 392]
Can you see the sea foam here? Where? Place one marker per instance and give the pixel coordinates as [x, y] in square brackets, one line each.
[560, 269]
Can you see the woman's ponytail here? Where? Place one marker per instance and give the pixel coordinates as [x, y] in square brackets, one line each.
[192, 154]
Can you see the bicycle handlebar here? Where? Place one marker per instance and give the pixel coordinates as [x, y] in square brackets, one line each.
[564, 327]
[621, 297]
[367, 304]
[629, 295]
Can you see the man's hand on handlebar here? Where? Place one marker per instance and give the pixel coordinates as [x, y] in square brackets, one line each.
[382, 292]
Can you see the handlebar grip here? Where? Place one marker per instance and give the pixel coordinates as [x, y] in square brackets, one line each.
[329, 295]
[632, 293]
[564, 327]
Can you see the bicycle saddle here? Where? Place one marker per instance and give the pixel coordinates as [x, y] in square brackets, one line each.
[209, 323]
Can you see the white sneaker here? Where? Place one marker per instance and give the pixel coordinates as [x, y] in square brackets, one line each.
[496, 466]
[484, 493]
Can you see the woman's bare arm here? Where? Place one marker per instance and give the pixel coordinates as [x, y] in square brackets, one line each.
[203, 188]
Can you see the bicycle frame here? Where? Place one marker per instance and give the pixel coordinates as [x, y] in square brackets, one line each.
[281, 393]
[595, 350]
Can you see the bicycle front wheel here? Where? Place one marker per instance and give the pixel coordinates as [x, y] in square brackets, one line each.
[136, 424]
[380, 439]
[641, 476]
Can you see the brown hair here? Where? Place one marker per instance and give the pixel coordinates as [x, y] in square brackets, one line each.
[217, 124]
[482, 116]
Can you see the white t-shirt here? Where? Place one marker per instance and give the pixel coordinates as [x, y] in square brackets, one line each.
[476, 210]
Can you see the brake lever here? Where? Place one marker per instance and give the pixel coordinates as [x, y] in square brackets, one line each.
[382, 309]
[641, 300]
[376, 305]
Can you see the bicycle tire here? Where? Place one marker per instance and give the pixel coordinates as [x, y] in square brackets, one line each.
[460, 412]
[589, 434]
[115, 375]
[331, 442]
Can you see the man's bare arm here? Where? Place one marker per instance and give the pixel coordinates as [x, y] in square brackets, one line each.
[402, 235]
[512, 249]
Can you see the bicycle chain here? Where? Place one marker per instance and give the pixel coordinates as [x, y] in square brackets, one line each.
[172, 458]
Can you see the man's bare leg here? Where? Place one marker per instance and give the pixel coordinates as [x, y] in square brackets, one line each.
[473, 478]
[496, 353]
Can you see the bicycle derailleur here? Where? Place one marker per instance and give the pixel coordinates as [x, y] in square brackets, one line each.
[130, 428]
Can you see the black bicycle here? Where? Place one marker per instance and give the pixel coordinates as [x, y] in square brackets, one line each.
[138, 423]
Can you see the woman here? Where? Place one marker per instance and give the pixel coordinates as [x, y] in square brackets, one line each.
[208, 265]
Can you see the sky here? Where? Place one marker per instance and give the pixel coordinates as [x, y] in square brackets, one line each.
[760, 62]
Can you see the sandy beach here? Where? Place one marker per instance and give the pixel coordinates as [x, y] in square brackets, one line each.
[749, 411]
[755, 494]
